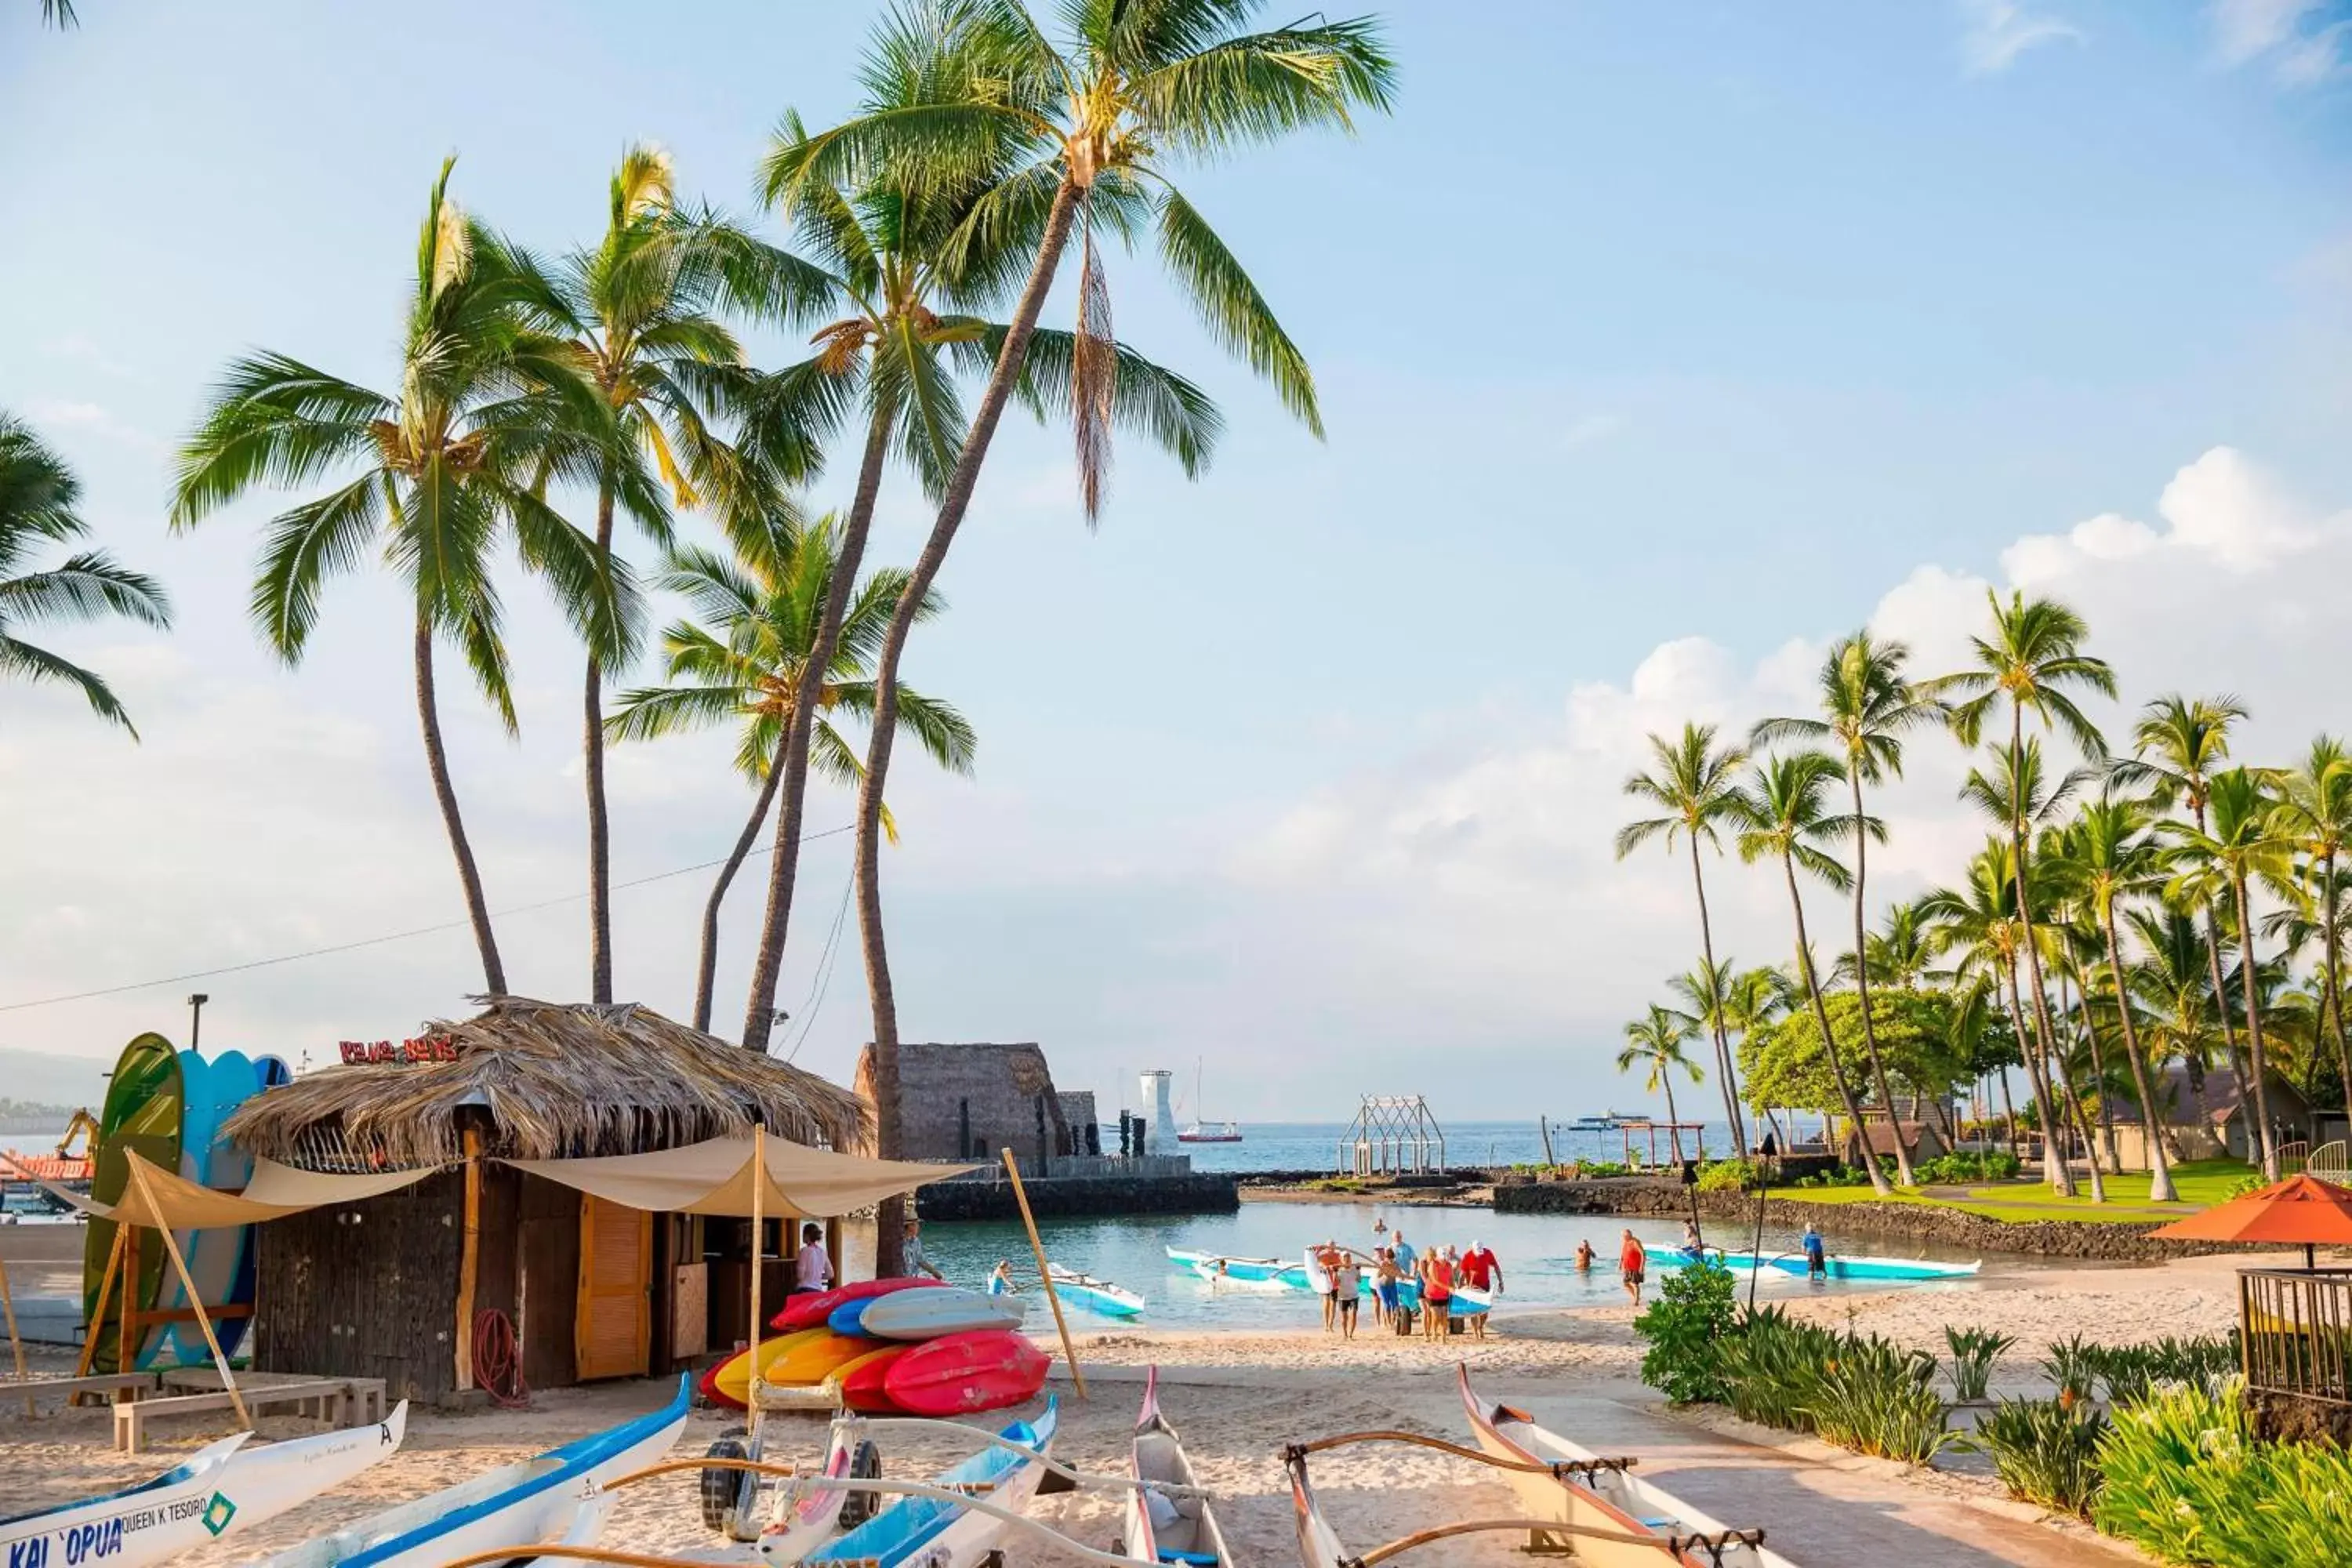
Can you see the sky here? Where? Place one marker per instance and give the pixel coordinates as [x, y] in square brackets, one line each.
[1658, 345]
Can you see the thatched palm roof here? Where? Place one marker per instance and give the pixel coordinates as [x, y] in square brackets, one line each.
[557, 1080]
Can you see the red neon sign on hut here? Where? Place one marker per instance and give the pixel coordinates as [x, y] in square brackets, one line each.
[423, 1049]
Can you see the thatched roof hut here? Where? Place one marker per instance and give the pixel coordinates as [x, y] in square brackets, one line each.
[969, 1100]
[557, 1081]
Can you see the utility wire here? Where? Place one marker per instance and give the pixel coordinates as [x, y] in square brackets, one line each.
[822, 981]
[398, 935]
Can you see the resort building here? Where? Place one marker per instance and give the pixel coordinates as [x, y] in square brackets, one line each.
[2207, 1121]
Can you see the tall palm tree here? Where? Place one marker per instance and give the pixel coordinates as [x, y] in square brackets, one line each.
[1088, 126]
[1900, 954]
[1783, 813]
[2173, 982]
[2110, 856]
[743, 664]
[1867, 706]
[2244, 845]
[1753, 999]
[39, 502]
[487, 412]
[2033, 662]
[2315, 814]
[1696, 783]
[2177, 746]
[909, 327]
[1656, 1044]
[640, 312]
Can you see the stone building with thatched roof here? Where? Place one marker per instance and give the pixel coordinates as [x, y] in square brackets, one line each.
[973, 1099]
[567, 1286]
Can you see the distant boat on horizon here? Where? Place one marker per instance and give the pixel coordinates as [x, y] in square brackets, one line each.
[1607, 1121]
[1202, 1131]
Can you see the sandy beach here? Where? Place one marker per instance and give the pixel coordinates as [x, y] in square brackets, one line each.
[1238, 1397]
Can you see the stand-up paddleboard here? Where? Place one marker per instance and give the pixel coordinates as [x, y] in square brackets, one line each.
[810, 1356]
[269, 1072]
[966, 1372]
[200, 1116]
[862, 1381]
[141, 1113]
[811, 1310]
[933, 1314]
[217, 1256]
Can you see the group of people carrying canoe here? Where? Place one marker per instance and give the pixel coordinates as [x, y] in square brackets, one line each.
[1404, 1279]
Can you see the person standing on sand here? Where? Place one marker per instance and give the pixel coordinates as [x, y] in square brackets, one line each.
[1436, 1294]
[1584, 1257]
[1384, 1286]
[912, 1257]
[812, 1268]
[1632, 1262]
[1346, 1288]
[1408, 1261]
[1327, 1257]
[1481, 1270]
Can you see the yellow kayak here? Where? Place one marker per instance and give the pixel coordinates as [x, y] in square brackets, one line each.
[809, 1356]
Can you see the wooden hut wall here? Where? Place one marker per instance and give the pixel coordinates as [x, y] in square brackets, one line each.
[365, 1290]
[548, 1290]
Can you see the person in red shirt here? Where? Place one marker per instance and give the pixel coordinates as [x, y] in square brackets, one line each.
[1436, 1293]
[1481, 1270]
[1632, 1263]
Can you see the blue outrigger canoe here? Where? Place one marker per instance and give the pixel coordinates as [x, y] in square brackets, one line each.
[1837, 1266]
[942, 1534]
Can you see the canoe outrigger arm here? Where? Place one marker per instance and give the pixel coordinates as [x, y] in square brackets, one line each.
[1559, 1469]
[1674, 1546]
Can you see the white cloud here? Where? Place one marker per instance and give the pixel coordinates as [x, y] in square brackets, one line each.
[1996, 32]
[2300, 55]
[71, 414]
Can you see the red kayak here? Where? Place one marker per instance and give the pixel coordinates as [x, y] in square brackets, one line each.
[811, 1311]
[987, 1369]
[862, 1381]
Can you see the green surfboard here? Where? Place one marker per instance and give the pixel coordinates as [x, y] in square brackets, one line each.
[143, 1111]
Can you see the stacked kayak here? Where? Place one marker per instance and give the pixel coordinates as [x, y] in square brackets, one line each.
[905, 1346]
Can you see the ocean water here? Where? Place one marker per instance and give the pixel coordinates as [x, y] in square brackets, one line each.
[1537, 1255]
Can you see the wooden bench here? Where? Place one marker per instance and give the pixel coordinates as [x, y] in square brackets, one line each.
[343, 1399]
[119, 1384]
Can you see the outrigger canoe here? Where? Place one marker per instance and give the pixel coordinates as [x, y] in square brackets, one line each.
[936, 1533]
[1158, 1528]
[223, 1486]
[1214, 1266]
[1838, 1267]
[1095, 1295]
[546, 1501]
[1604, 1497]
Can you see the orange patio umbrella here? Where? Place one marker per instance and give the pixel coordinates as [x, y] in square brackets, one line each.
[2301, 1211]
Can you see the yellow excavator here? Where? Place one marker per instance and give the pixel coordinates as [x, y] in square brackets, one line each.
[83, 1126]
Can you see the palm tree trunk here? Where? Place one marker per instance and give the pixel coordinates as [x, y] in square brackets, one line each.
[2159, 1186]
[2213, 967]
[2104, 1138]
[1673, 1119]
[2062, 1177]
[2009, 1109]
[1862, 990]
[2262, 1095]
[706, 967]
[1878, 1183]
[591, 757]
[1729, 1083]
[783, 866]
[2075, 1104]
[2327, 964]
[889, 1224]
[437, 761]
[2054, 1137]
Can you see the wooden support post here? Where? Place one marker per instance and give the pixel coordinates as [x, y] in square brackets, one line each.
[195, 1299]
[15, 1341]
[759, 1245]
[470, 1261]
[98, 1313]
[1044, 1270]
[126, 1347]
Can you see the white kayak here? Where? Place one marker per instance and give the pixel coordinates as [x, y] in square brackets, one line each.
[223, 1486]
[552, 1499]
[1097, 1295]
[928, 1314]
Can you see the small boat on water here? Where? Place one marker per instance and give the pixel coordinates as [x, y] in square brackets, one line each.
[223, 1486]
[936, 1533]
[1210, 1132]
[1838, 1267]
[1095, 1295]
[1158, 1528]
[1217, 1266]
[1604, 1497]
[546, 1500]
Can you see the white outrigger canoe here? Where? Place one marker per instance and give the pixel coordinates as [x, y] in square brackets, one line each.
[221, 1488]
[1836, 1266]
[1214, 1266]
[1095, 1295]
[1604, 1497]
[1181, 1530]
[936, 1533]
[553, 1498]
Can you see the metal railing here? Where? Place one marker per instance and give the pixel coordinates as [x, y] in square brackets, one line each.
[2298, 1331]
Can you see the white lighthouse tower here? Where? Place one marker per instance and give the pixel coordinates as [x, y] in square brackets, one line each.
[1157, 1109]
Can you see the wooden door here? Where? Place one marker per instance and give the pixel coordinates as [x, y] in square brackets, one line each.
[613, 1329]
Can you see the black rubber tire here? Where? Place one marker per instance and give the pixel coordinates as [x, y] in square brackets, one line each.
[720, 1486]
[865, 1465]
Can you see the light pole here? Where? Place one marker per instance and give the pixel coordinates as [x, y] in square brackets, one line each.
[197, 1018]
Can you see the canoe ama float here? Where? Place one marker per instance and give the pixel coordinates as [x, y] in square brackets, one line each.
[221, 1488]
[538, 1500]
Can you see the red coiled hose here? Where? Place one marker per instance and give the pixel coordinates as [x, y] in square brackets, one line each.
[497, 1360]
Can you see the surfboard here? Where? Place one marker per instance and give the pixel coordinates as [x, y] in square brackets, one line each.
[270, 1072]
[217, 1256]
[141, 1112]
[199, 1122]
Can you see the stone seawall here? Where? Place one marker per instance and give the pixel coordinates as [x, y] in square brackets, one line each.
[1100, 1196]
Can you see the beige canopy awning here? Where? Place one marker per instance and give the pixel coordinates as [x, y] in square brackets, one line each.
[714, 1177]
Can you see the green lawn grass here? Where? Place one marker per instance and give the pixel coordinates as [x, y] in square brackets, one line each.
[2200, 1183]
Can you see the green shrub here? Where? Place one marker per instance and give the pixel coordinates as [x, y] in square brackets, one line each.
[1726, 1176]
[1958, 1170]
[2044, 1451]
[1773, 1365]
[2186, 1479]
[2073, 1365]
[1876, 1399]
[1974, 1351]
[1685, 1329]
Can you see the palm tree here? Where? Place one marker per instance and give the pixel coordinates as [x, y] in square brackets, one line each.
[639, 313]
[2314, 813]
[907, 330]
[39, 498]
[487, 412]
[2173, 982]
[2177, 746]
[1867, 706]
[744, 665]
[1752, 999]
[2110, 856]
[1696, 783]
[1655, 1043]
[2243, 845]
[58, 14]
[1900, 954]
[1782, 814]
[959, 88]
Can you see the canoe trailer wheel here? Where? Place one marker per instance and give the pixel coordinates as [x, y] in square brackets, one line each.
[865, 1465]
[721, 1488]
